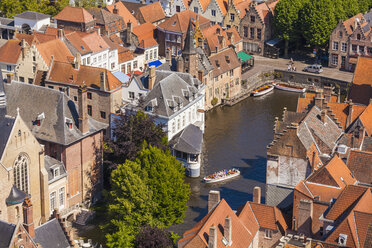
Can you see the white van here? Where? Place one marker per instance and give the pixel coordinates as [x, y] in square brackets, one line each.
[314, 68]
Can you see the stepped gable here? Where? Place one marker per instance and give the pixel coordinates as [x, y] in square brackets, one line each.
[180, 21]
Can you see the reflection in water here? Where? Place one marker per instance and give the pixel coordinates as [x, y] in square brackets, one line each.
[236, 137]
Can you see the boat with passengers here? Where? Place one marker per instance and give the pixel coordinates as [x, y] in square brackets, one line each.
[222, 175]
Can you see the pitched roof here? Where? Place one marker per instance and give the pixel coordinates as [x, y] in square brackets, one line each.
[123, 12]
[10, 52]
[366, 119]
[241, 235]
[7, 230]
[224, 61]
[41, 37]
[145, 35]
[189, 140]
[6, 126]
[50, 235]
[50, 164]
[32, 100]
[180, 21]
[204, 4]
[243, 7]
[102, 16]
[76, 44]
[125, 55]
[74, 14]
[55, 48]
[217, 37]
[350, 23]
[360, 164]
[152, 12]
[361, 88]
[32, 15]
[66, 73]
[29, 38]
[94, 41]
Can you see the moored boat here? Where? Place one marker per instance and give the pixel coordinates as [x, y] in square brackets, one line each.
[222, 175]
[263, 90]
[289, 88]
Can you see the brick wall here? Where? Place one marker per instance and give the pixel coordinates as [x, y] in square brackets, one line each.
[264, 242]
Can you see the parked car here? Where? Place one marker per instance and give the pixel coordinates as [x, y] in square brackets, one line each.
[314, 68]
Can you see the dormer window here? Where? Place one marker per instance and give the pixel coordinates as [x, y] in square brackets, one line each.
[342, 238]
[68, 122]
[39, 118]
[56, 172]
[148, 108]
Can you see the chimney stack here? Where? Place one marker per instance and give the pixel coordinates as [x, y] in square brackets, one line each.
[129, 32]
[200, 75]
[152, 77]
[28, 221]
[350, 114]
[169, 57]
[257, 195]
[213, 199]
[323, 116]
[327, 93]
[61, 34]
[227, 230]
[83, 109]
[103, 81]
[23, 48]
[319, 99]
[212, 241]
[77, 61]
[180, 64]
[115, 10]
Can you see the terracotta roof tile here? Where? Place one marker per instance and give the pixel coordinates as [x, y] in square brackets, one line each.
[360, 164]
[30, 39]
[123, 12]
[180, 21]
[45, 37]
[95, 42]
[269, 217]
[220, 63]
[366, 119]
[9, 53]
[152, 12]
[150, 42]
[204, 4]
[125, 56]
[144, 31]
[55, 48]
[74, 14]
[223, 6]
[78, 43]
[303, 104]
[350, 23]
[243, 7]
[91, 76]
[217, 37]
[361, 88]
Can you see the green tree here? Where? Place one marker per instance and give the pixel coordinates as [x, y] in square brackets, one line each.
[364, 5]
[318, 20]
[340, 14]
[286, 20]
[351, 7]
[9, 8]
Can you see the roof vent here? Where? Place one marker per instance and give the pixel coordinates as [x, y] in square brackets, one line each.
[342, 238]
[174, 23]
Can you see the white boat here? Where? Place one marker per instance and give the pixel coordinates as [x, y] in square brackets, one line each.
[221, 175]
[289, 88]
[263, 90]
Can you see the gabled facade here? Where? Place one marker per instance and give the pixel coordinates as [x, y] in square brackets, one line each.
[235, 12]
[76, 19]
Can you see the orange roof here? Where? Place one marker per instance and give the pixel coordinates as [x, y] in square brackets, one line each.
[243, 7]
[30, 39]
[241, 234]
[125, 56]
[45, 37]
[180, 21]
[302, 104]
[350, 23]
[10, 51]
[262, 11]
[74, 14]
[152, 12]
[94, 41]
[361, 88]
[66, 73]
[222, 4]
[77, 42]
[366, 119]
[144, 31]
[268, 216]
[204, 4]
[123, 12]
[150, 42]
[360, 163]
[55, 48]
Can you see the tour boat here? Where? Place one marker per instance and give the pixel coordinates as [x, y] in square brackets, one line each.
[222, 175]
[263, 90]
[289, 88]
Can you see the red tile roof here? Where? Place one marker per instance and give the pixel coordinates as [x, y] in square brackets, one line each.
[243, 7]
[360, 164]
[366, 119]
[180, 21]
[145, 35]
[217, 37]
[74, 14]
[55, 48]
[94, 41]
[123, 12]
[361, 88]
[269, 217]
[10, 52]
[350, 23]
[152, 12]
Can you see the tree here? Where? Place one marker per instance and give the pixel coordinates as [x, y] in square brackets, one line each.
[364, 5]
[286, 20]
[351, 7]
[9, 8]
[318, 20]
[149, 190]
[152, 237]
[130, 132]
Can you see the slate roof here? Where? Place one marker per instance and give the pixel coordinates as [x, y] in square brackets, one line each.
[367, 144]
[6, 126]
[224, 61]
[204, 63]
[15, 196]
[170, 88]
[152, 12]
[7, 21]
[51, 235]
[189, 140]
[52, 163]
[33, 100]
[74, 14]
[7, 231]
[32, 15]
[360, 164]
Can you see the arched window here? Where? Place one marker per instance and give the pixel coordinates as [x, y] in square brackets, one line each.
[21, 172]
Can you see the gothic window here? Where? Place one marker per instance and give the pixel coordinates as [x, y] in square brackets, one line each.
[21, 172]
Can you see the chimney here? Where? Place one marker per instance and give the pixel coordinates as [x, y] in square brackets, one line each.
[9, 78]
[213, 199]
[319, 99]
[61, 34]
[227, 230]
[102, 81]
[129, 32]
[77, 61]
[200, 75]
[169, 57]
[257, 194]
[115, 10]
[83, 109]
[28, 221]
[327, 93]
[339, 96]
[212, 241]
[23, 48]
[152, 77]
[180, 64]
[350, 114]
[323, 116]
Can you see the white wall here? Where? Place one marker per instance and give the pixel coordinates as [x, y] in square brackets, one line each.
[35, 25]
[134, 88]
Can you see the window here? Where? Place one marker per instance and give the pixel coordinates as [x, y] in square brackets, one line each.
[252, 33]
[75, 97]
[178, 124]
[34, 69]
[103, 115]
[343, 46]
[173, 127]
[34, 58]
[30, 80]
[56, 172]
[213, 12]
[129, 69]
[88, 61]
[104, 56]
[178, 8]
[253, 19]
[20, 172]
[8, 67]
[61, 192]
[335, 46]
[334, 59]
[150, 54]
[52, 198]
[340, 34]
[369, 50]
[112, 65]
[99, 58]
[354, 48]
[358, 36]
[361, 49]
[22, 79]
[90, 110]
[232, 17]
[84, 61]
[123, 68]
[50, 87]
[196, 9]
[245, 31]
[146, 56]
[94, 60]
[61, 89]
[213, 23]
[183, 121]
[135, 64]
[89, 95]
[228, 26]
[131, 95]
[268, 233]
[259, 33]
[343, 61]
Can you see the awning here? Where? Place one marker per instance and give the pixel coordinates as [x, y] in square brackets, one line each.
[135, 73]
[244, 57]
[273, 42]
[156, 63]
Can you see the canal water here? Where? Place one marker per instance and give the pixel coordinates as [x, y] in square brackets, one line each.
[236, 137]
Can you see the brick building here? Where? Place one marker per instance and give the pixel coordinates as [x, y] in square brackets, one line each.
[151, 13]
[75, 18]
[236, 10]
[108, 23]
